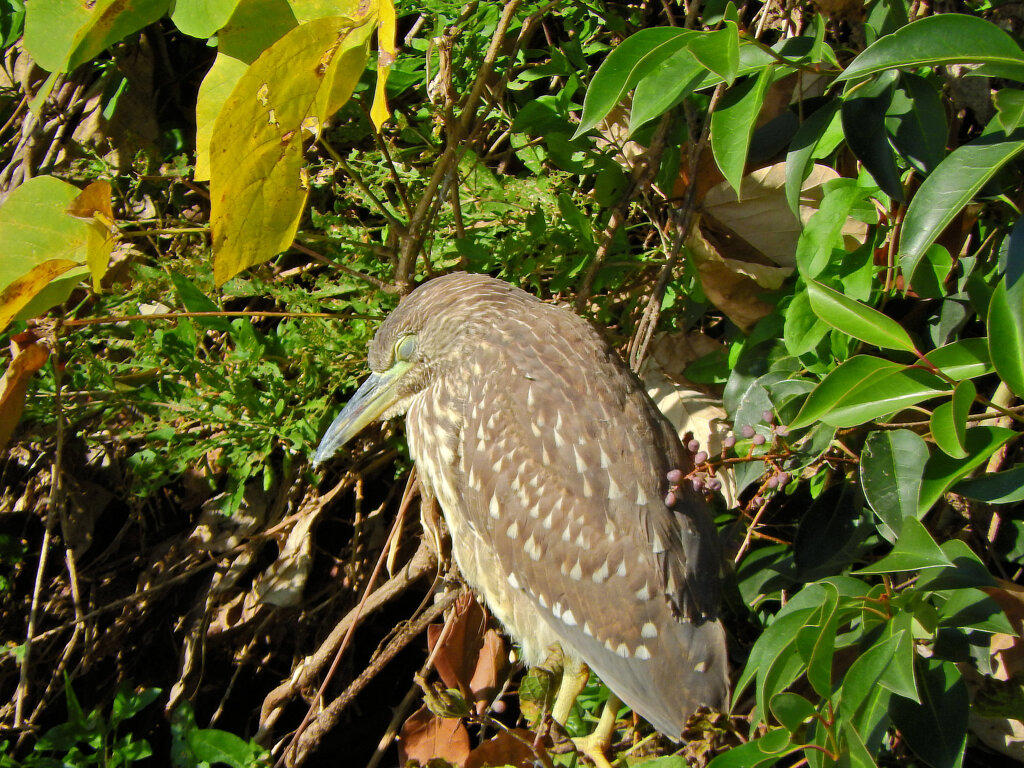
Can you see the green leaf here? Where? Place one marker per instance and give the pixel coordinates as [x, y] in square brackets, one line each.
[891, 464]
[857, 320]
[819, 660]
[935, 729]
[840, 384]
[803, 330]
[1009, 109]
[949, 420]
[633, 59]
[732, 125]
[758, 753]
[823, 233]
[898, 676]
[916, 121]
[952, 185]
[792, 710]
[201, 18]
[995, 488]
[1006, 335]
[972, 608]
[863, 676]
[60, 36]
[664, 87]
[855, 752]
[942, 472]
[863, 113]
[801, 156]
[915, 550]
[215, 746]
[964, 359]
[778, 640]
[947, 38]
[719, 51]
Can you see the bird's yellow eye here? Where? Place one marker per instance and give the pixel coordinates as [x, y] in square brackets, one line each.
[405, 348]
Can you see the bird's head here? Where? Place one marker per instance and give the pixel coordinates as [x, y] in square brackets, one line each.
[430, 334]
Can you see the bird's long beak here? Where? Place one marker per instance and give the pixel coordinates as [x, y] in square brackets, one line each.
[373, 398]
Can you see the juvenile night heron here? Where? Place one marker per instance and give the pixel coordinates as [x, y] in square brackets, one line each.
[549, 462]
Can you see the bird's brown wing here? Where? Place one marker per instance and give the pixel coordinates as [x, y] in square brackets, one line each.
[564, 477]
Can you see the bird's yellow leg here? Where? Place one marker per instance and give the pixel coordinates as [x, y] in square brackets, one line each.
[596, 744]
[574, 679]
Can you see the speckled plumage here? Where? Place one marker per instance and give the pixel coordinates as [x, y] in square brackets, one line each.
[549, 462]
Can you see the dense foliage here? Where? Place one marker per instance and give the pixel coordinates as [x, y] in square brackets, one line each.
[798, 222]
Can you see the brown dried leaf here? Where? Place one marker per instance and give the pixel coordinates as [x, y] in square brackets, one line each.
[456, 659]
[489, 674]
[507, 748]
[28, 355]
[425, 737]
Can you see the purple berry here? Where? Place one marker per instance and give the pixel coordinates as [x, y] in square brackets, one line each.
[756, 502]
[697, 483]
[714, 484]
[781, 431]
[784, 477]
[670, 499]
[758, 439]
[700, 457]
[768, 415]
[728, 442]
[747, 431]
[674, 476]
[773, 481]
[693, 446]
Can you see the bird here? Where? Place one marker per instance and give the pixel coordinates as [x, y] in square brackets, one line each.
[552, 469]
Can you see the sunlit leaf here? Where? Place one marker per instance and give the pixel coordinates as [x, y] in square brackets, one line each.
[1006, 335]
[945, 38]
[732, 124]
[915, 550]
[891, 464]
[943, 471]
[856, 319]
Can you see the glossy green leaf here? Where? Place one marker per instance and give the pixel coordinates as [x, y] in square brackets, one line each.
[942, 471]
[803, 330]
[916, 122]
[664, 87]
[757, 753]
[800, 156]
[863, 112]
[971, 608]
[732, 124]
[776, 640]
[840, 384]
[856, 319]
[915, 550]
[864, 674]
[854, 751]
[819, 660]
[947, 38]
[935, 729]
[952, 185]
[1006, 336]
[719, 51]
[964, 359]
[822, 235]
[201, 18]
[60, 36]
[891, 464]
[898, 676]
[792, 710]
[1005, 487]
[1009, 109]
[949, 420]
[881, 395]
[634, 58]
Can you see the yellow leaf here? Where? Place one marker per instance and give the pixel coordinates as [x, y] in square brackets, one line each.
[27, 357]
[257, 192]
[386, 52]
[93, 205]
[20, 292]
